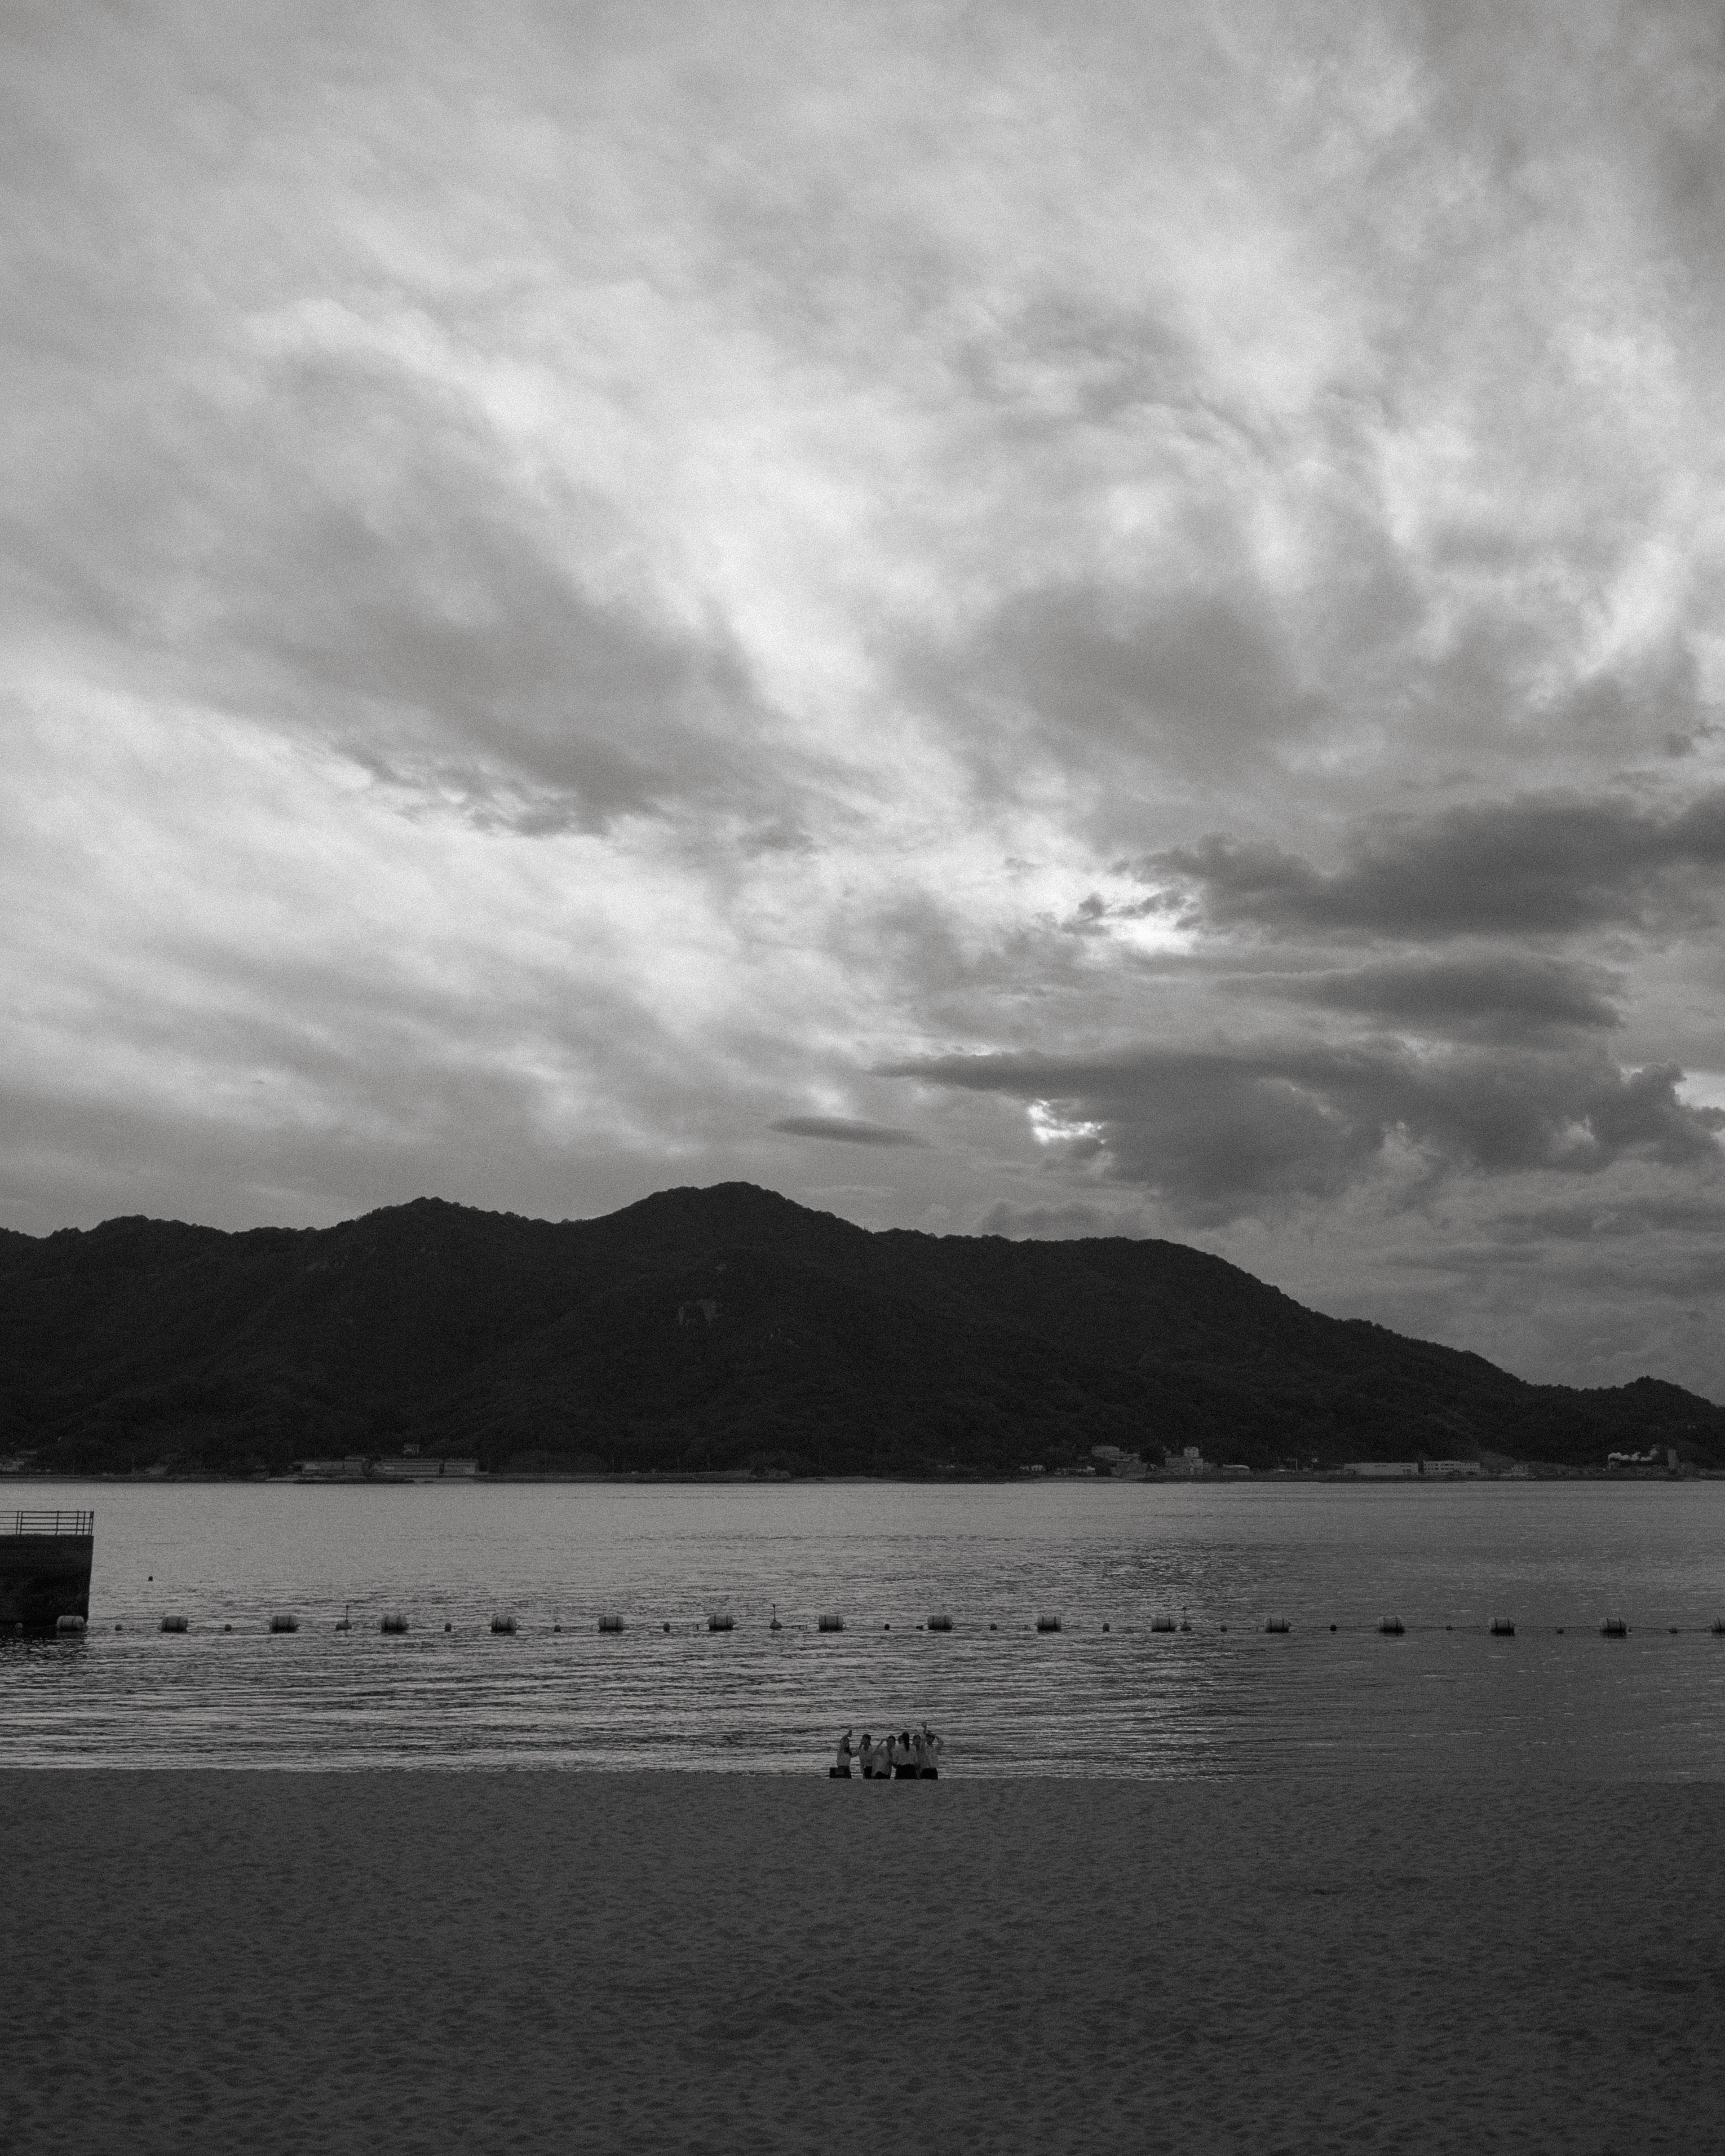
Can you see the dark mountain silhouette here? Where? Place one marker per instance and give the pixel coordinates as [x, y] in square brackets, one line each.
[715, 1329]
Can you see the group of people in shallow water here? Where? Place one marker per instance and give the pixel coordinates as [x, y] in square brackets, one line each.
[912, 1756]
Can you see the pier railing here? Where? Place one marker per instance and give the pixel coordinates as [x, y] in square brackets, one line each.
[47, 1523]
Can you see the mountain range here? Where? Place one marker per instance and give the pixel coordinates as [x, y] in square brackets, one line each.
[725, 1329]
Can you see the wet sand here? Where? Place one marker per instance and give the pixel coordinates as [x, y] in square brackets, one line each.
[255, 1962]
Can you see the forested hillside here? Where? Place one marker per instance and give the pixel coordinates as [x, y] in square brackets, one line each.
[726, 1329]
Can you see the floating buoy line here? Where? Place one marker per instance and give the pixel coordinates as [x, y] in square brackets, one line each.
[507, 1623]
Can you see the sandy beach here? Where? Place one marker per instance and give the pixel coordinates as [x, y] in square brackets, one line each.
[440, 1962]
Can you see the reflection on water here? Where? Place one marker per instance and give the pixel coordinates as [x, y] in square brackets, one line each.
[1126, 1701]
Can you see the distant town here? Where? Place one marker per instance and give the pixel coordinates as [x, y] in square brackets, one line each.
[1109, 1462]
[1188, 1464]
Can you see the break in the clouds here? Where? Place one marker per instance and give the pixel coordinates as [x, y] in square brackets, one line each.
[1120, 606]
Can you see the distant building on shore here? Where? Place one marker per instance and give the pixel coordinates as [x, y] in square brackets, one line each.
[1408, 1470]
[1115, 1460]
[1188, 1465]
[409, 1465]
[415, 1468]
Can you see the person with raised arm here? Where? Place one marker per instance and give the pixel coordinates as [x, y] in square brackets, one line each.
[839, 1771]
[929, 1748]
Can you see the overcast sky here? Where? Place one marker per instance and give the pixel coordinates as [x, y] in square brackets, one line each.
[1018, 618]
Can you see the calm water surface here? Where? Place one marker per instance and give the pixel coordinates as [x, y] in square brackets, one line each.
[1225, 1698]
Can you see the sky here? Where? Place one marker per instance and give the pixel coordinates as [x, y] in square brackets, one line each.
[1003, 618]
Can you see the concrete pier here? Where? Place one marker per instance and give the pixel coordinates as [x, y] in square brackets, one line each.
[44, 1567]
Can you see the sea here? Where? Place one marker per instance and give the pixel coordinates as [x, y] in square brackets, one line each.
[1112, 1692]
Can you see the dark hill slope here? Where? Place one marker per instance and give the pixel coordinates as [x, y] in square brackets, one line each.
[727, 1326]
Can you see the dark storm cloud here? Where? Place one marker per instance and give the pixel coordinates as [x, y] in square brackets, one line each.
[1221, 1132]
[1543, 864]
[846, 1130]
[1499, 995]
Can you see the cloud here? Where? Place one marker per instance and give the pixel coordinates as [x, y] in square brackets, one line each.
[1615, 1218]
[571, 578]
[1108, 677]
[365, 568]
[1221, 1132]
[1058, 1223]
[1598, 1288]
[846, 1130]
[1459, 1257]
[1497, 995]
[1551, 864]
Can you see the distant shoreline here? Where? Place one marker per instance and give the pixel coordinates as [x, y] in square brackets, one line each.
[1334, 1478]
